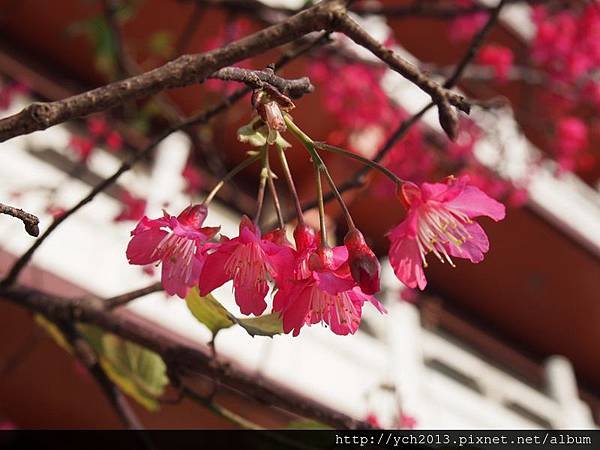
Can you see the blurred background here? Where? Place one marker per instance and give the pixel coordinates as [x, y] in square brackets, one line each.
[508, 343]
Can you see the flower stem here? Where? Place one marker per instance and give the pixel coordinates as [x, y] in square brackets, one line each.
[321, 167]
[260, 198]
[290, 182]
[322, 228]
[367, 162]
[229, 175]
[273, 191]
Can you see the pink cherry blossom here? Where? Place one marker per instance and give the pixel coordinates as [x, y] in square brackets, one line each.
[97, 126]
[571, 139]
[114, 141]
[373, 420]
[82, 146]
[8, 91]
[178, 243]
[133, 207]
[251, 261]
[439, 222]
[193, 178]
[320, 289]
[499, 58]
[464, 26]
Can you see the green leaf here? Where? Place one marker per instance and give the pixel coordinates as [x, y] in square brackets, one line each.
[307, 424]
[53, 331]
[139, 372]
[267, 325]
[258, 137]
[208, 311]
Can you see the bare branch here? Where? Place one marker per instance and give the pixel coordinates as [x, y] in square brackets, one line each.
[190, 69]
[123, 299]
[359, 177]
[440, 95]
[258, 78]
[29, 220]
[183, 71]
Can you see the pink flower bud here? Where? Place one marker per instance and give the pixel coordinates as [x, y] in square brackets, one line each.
[364, 266]
[193, 216]
[304, 236]
[321, 260]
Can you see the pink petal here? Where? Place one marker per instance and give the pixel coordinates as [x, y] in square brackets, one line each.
[142, 247]
[474, 248]
[407, 264]
[474, 202]
[251, 297]
[177, 279]
[213, 275]
[296, 311]
[332, 284]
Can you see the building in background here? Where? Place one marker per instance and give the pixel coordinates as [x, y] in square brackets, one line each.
[510, 343]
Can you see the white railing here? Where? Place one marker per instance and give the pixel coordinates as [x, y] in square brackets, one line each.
[444, 385]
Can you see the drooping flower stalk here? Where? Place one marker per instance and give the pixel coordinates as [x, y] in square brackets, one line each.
[274, 195]
[322, 226]
[229, 175]
[290, 182]
[320, 167]
[367, 162]
[262, 184]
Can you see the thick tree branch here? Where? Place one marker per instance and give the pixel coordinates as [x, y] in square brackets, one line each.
[29, 220]
[183, 71]
[190, 69]
[181, 358]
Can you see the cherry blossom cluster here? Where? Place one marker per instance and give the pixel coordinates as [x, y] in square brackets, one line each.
[566, 48]
[310, 281]
[99, 132]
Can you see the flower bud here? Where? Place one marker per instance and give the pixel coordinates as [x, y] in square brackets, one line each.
[278, 237]
[273, 117]
[364, 266]
[321, 260]
[305, 237]
[193, 215]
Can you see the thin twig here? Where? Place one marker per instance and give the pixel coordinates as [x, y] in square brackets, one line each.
[257, 79]
[29, 220]
[123, 299]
